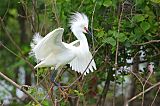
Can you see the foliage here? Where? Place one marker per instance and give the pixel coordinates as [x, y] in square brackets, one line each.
[121, 29]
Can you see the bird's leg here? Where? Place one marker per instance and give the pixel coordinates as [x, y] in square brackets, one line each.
[53, 75]
[53, 80]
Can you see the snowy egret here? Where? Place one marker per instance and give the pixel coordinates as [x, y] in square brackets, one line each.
[50, 51]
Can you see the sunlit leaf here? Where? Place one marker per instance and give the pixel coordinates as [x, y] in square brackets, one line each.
[122, 37]
[145, 26]
[138, 31]
[107, 3]
[111, 40]
[156, 1]
[138, 18]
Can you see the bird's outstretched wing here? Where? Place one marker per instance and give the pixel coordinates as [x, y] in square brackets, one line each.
[82, 61]
[52, 42]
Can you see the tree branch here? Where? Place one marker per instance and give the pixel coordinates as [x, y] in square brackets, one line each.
[155, 85]
[19, 87]
[151, 41]
[17, 47]
[117, 48]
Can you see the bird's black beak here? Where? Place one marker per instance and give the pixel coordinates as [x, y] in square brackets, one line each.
[88, 32]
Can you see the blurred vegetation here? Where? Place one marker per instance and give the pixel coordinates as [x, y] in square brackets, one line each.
[122, 28]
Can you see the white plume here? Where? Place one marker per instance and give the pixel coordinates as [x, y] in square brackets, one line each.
[78, 20]
[36, 38]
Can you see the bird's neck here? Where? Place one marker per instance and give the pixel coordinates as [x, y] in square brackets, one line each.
[83, 40]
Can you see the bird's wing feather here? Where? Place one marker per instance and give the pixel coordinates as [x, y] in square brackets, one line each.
[75, 43]
[52, 42]
[81, 62]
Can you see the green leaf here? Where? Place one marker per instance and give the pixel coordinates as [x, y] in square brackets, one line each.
[149, 37]
[127, 43]
[78, 93]
[156, 1]
[139, 2]
[122, 37]
[111, 41]
[138, 31]
[145, 26]
[135, 36]
[115, 34]
[13, 12]
[107, 3]
[101, 34]
[99, 2]
[138, 18]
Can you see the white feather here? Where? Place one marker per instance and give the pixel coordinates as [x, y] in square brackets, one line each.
[81, 62]
[36, 38]
[51, 42]
[50, 51]
[78, 19]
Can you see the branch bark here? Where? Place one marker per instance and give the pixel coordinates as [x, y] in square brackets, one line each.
[151, 41]
[101, 101]
[19, 87]
[150, 88]
[16, 45]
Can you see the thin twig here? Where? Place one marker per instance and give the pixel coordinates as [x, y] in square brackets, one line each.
[12, 93]
[137, 77]
[55, 13]
[6, 10]
[19, 87]
[1, 44]
[44, 20]
[49, 91]
[80, 5]
[92, 25]
[155, 85]
[35, 10]
[140, 78]
[155, 96]
[17, 47]
[29, 19]
[144, 88]
[151, 41]
[117, 47]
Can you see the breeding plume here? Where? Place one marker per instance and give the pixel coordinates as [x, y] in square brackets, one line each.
[50, 51]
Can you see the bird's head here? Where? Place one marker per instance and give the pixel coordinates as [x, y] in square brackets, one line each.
[79, 22]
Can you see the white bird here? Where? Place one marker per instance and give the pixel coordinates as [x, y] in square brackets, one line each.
[50, 51]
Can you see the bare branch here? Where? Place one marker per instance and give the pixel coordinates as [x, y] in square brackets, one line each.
[155, 85]
[29, 17]
[92, 25]
[155, 96]
[17, 47]
[6, 10]
[80, 5]
[117, 47]
[55, 12]
[19, 87]
[151, 41]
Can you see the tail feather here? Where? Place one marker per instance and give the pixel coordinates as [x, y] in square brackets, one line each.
[36, 38]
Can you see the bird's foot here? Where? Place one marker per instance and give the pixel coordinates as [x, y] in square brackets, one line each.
[25, 86]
